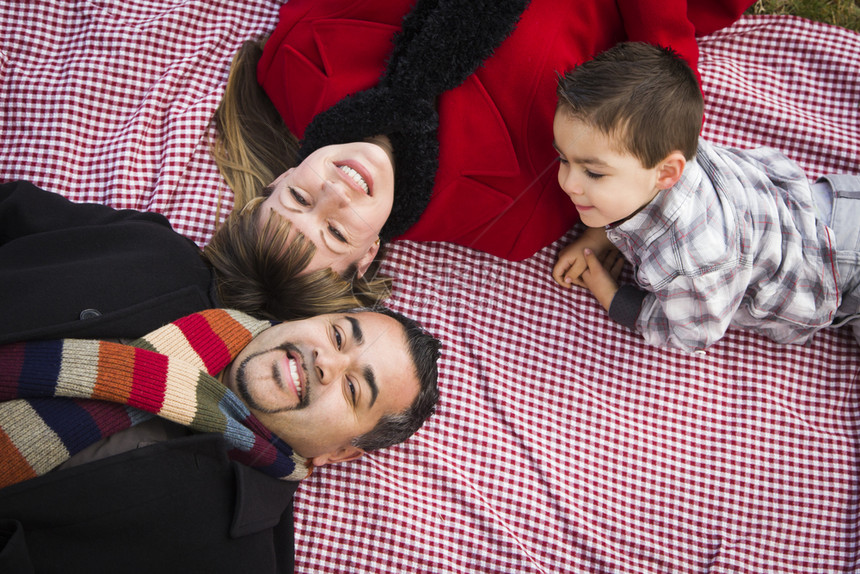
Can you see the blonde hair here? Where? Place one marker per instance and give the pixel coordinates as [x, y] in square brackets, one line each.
[252, 145]
[257, 270]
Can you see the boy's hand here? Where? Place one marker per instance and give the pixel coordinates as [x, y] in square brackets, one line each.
[600, 280]
[571, 262]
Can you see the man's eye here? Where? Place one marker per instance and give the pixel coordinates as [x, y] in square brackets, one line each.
[337, 234]
[351, 389]
[298, 197]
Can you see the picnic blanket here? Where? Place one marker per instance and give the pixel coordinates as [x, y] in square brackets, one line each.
[562, 442]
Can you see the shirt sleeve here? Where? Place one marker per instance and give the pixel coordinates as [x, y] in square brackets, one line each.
[692, 312]
[626, 305]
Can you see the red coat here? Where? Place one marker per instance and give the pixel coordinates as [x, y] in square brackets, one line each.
[496, 189]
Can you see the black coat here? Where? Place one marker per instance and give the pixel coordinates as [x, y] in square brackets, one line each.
[89, 271]
[177, 506]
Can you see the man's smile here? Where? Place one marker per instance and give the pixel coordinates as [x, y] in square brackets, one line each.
[291, 367]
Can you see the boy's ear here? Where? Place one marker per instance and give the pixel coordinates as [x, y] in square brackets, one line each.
[669, 170]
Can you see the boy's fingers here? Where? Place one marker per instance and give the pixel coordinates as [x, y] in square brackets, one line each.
[558, 273]
[574, 274]
[595, 268]
[576, 281]
[610, 257]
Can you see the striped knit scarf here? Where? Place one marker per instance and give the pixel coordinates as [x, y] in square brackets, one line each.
[58, 397]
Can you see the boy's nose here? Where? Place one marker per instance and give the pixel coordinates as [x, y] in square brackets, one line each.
[571, 187]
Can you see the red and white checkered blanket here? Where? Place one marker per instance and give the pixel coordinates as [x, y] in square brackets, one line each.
[562, 442]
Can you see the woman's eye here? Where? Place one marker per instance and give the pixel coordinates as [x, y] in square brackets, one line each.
[338, 339]
[337, 234]
[298, 197]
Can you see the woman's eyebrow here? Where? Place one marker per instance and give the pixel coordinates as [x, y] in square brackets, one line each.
[328, 243]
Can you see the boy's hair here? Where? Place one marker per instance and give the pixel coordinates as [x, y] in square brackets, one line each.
[645, 98]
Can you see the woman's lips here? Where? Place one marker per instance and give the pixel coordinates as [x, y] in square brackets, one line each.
[362, 171]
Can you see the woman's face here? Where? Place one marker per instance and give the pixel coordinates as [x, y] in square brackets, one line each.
[339, 197]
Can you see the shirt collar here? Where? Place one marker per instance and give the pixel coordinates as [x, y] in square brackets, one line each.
[664, 209]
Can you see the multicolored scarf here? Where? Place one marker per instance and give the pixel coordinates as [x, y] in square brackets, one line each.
[58, 397]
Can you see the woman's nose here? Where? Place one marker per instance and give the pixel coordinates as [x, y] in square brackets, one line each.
[336, 193]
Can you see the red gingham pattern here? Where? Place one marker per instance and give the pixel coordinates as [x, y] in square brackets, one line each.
[562, 443]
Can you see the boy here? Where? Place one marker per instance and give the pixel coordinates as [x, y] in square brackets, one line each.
[717, 237]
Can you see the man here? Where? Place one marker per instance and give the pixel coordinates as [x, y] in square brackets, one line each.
[285, 398]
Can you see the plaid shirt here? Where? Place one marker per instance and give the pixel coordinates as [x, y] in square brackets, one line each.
[735, 243]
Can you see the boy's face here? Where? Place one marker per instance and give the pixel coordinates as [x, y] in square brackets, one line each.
[606, 185]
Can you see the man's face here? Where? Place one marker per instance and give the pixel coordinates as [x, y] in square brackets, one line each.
[605, 184]
[321, 382]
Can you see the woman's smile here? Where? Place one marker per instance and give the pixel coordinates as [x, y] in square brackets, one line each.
[339, 198]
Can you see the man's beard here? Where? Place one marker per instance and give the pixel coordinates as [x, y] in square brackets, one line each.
[245, 393]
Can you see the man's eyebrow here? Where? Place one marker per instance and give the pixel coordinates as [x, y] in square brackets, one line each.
[369, 375]
[371, 382]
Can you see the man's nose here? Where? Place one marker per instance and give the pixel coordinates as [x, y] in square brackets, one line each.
[330, 365]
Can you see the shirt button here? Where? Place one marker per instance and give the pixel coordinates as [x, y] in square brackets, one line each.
[90, 314]
[700, 352]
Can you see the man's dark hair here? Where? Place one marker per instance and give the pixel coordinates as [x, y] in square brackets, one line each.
[424, 352]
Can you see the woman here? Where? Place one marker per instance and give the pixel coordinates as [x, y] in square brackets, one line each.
[481, 173]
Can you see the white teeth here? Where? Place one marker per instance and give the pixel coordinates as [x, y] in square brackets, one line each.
[355, 176]
[294, 371]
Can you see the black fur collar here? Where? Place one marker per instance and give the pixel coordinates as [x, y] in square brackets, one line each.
[441, 44]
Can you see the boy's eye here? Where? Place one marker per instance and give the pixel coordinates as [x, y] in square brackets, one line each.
[561, 160]
[593, 175]
[298, 197]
